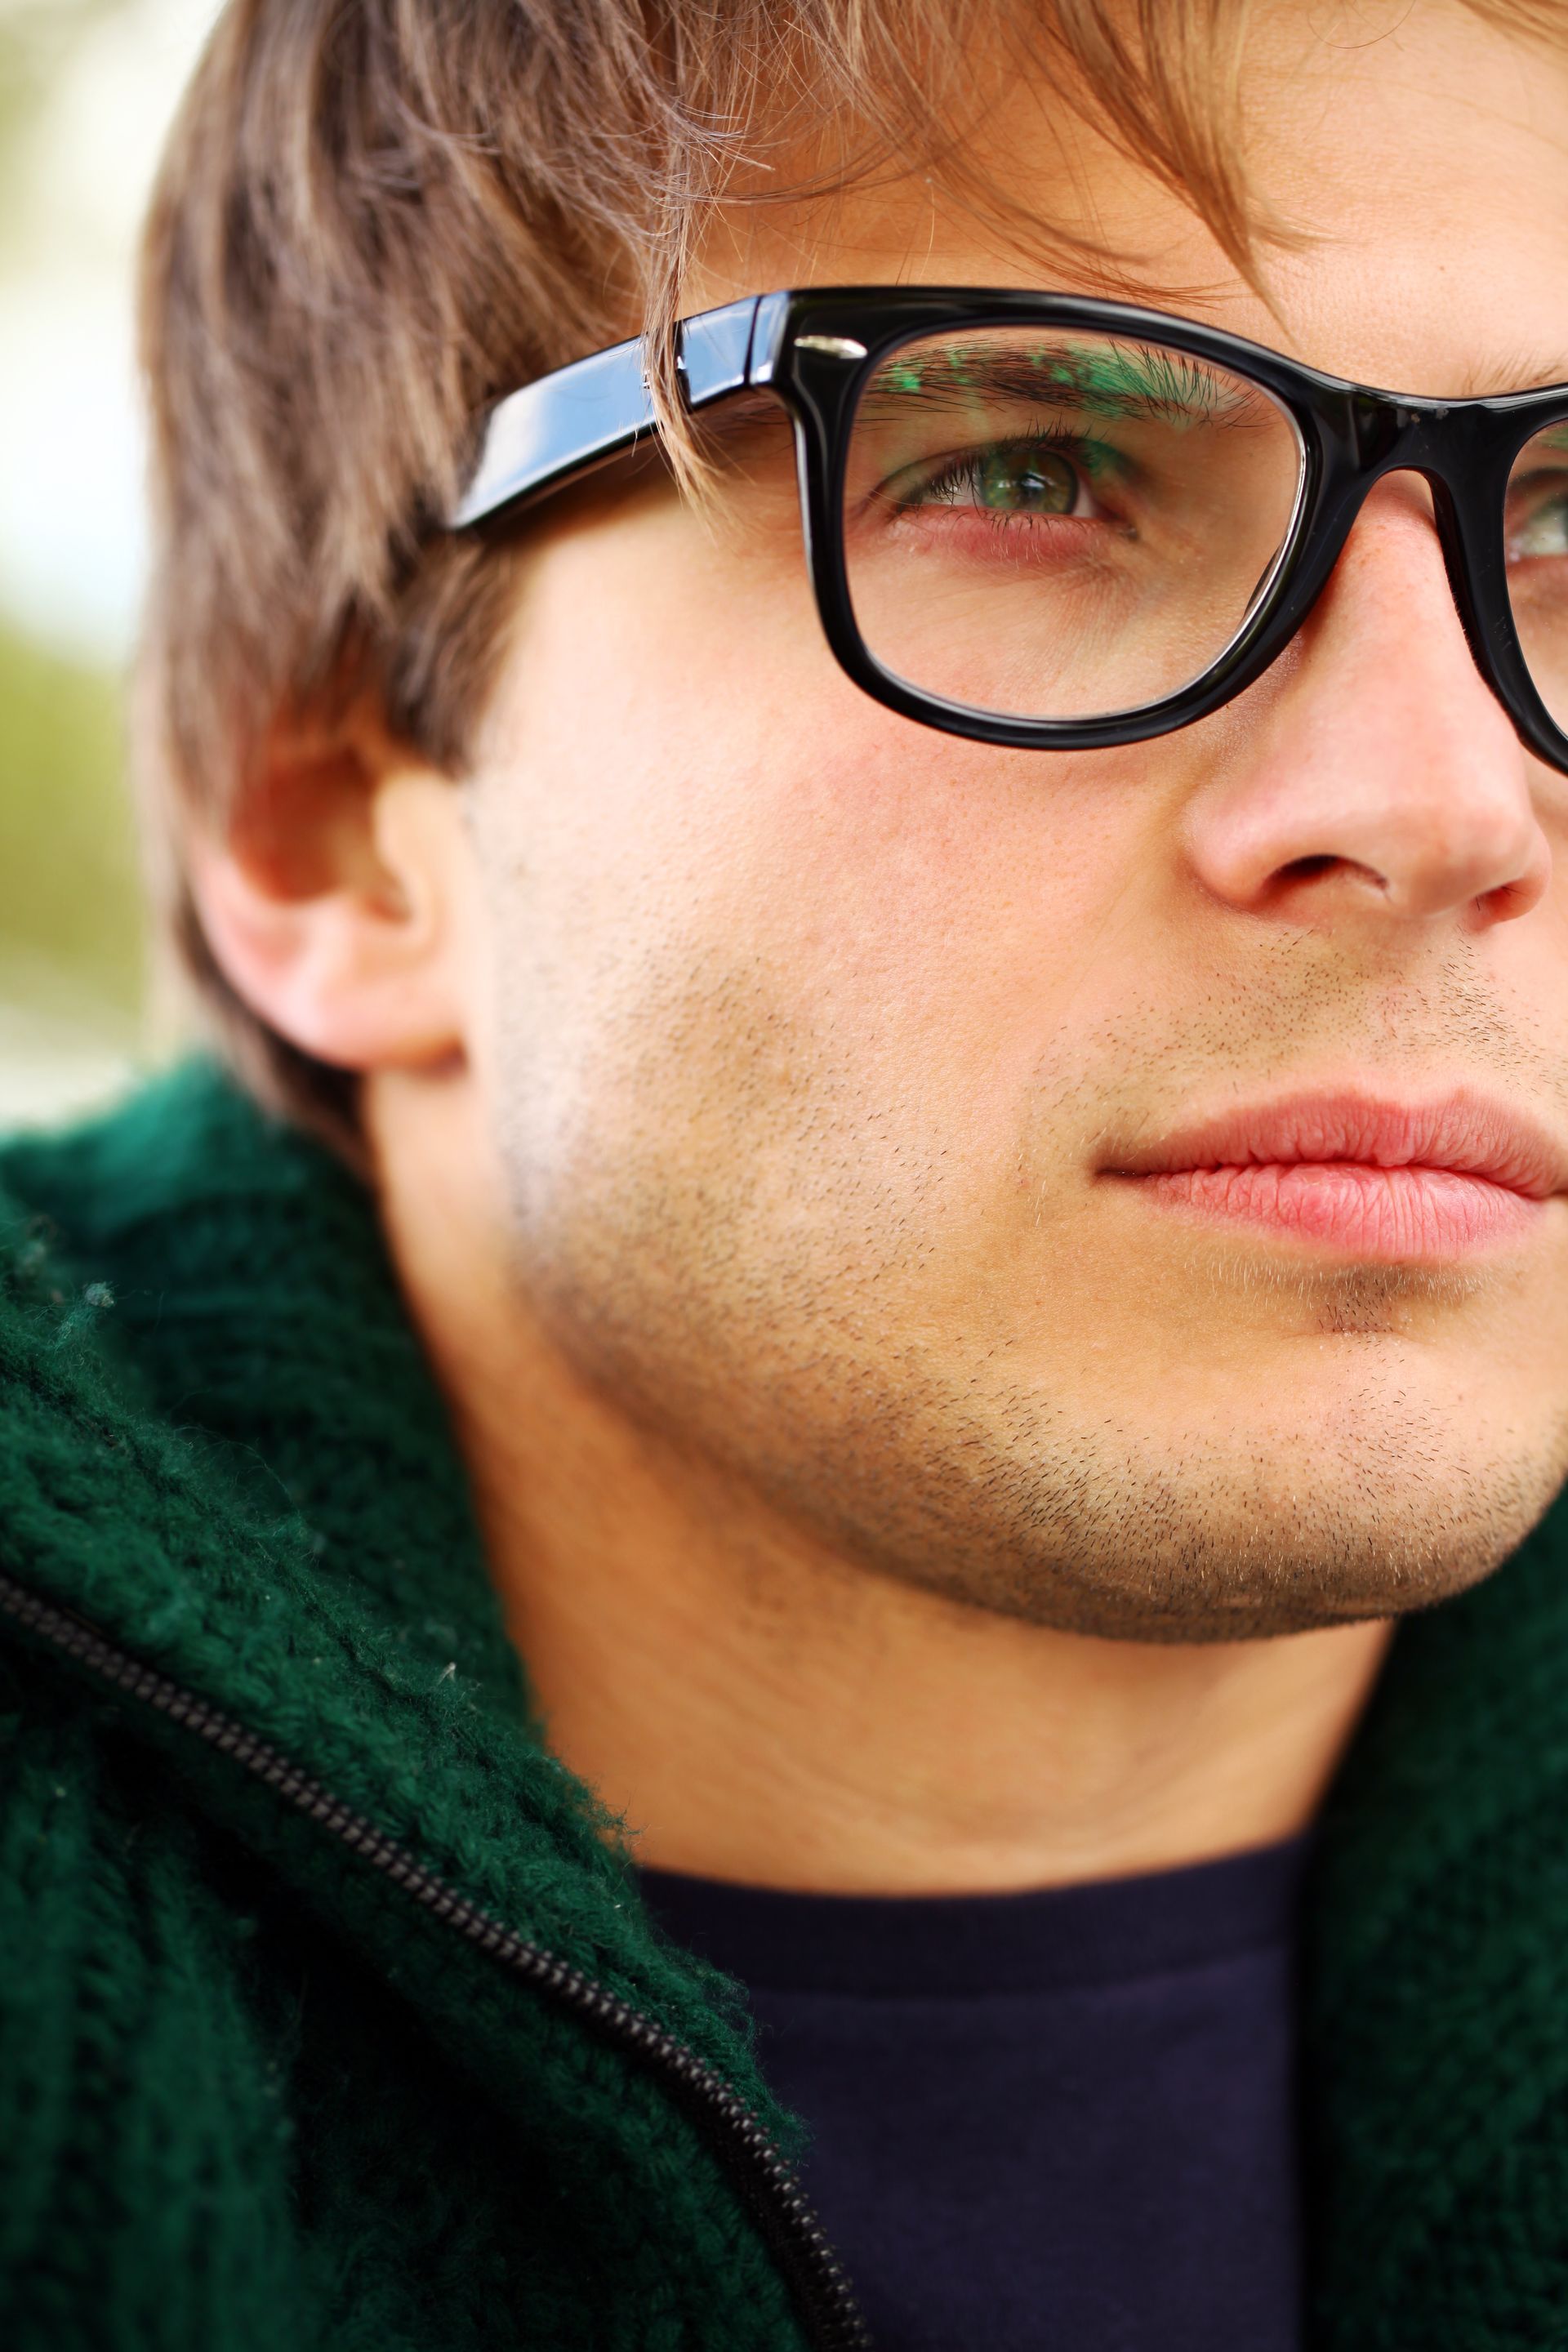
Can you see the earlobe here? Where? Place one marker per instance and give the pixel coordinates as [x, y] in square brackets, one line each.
[334, 905]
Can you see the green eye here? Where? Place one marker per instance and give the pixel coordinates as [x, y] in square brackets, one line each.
[1545, 532]
[1025, 481]
[1021, 477]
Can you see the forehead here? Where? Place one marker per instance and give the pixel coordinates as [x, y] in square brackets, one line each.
[1413, 164]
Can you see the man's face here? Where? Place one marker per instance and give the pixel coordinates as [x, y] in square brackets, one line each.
[817, 1045]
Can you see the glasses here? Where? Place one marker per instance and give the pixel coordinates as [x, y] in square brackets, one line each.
[1057, 524]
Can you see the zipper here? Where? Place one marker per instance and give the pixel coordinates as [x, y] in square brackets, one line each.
[762, 2176]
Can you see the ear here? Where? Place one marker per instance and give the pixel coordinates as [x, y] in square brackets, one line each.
[337, 903]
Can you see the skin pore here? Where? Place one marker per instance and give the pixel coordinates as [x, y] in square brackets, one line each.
[883, 1495]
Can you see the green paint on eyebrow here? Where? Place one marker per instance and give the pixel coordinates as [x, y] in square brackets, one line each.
[1100, 380]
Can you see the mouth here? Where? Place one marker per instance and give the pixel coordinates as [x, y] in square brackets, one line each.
[1363, 1177]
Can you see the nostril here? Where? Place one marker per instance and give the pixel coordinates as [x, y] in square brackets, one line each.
[1510, 899]
[1307, 869]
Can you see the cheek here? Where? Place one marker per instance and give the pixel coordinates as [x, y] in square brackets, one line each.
[755, 929]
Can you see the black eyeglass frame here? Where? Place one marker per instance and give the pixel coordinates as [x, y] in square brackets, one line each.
[815, 349]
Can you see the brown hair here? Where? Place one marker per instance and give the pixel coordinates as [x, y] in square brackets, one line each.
[375, 216]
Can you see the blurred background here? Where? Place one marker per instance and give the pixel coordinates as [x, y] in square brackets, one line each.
[87, 91]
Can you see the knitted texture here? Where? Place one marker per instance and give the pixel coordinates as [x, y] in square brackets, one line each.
[1437, 2022]
[252, 2096]
[249, 2093]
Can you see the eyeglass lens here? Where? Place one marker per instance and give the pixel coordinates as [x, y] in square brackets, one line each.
[1536, 541]
[1049, 524]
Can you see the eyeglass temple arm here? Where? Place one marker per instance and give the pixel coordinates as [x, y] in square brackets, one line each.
[582, 415]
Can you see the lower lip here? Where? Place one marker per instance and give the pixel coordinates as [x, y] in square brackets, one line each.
[1392, 1214]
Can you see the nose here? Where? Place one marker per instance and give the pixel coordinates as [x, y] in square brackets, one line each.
[1373, 773]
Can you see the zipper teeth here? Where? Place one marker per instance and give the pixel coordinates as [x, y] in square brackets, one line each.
[769, 2186]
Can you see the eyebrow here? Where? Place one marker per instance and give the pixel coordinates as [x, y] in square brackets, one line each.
[1117, 380]
[1484, 381]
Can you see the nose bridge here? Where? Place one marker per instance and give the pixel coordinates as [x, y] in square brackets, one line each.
[1367, 438]
[1410, 530]
[1452, 447]
[1386, 618]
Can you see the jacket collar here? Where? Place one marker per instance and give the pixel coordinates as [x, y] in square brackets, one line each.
[220, 1445]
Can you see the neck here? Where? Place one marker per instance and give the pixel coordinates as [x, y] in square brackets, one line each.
[756, 1709]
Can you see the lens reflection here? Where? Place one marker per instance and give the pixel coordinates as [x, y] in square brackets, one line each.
[1045, 524]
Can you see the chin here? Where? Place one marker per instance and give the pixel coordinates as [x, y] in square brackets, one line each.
[1288, 1510]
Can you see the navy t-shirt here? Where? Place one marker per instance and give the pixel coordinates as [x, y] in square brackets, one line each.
[1052, 2122]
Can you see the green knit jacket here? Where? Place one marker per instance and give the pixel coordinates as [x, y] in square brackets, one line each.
[329, 2015]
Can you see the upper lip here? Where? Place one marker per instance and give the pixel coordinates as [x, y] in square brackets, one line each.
[1468, 1133]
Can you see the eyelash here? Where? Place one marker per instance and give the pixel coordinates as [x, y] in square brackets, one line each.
[955, 470]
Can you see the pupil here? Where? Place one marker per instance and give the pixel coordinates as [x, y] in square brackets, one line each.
[1038, 483]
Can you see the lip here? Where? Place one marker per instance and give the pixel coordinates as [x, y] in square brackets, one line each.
[1365, 1176]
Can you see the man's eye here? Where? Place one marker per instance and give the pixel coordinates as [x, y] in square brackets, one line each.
[1542, 528]
[1028, 479]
